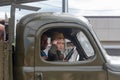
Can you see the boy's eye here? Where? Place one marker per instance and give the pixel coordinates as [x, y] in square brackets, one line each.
[58, 42]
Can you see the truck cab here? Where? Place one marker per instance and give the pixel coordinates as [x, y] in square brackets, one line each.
[84, 56]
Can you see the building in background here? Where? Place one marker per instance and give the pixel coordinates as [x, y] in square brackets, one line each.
[107, 29]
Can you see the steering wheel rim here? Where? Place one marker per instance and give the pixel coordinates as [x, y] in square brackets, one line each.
[69, 55]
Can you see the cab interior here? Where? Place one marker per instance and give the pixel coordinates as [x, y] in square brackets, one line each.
[73, 49]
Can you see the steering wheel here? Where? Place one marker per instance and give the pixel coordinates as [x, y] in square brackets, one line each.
[68, 56]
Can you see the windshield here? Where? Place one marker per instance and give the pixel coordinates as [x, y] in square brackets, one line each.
[88, 49]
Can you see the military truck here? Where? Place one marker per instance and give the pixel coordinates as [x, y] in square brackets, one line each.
[85, 58]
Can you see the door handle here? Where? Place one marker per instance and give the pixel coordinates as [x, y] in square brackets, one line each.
[39, 76]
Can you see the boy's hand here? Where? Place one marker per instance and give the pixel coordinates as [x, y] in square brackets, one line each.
[54, 42]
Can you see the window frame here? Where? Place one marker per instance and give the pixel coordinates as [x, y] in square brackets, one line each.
[69, 25]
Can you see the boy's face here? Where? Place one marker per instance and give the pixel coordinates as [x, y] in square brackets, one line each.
[60, 44]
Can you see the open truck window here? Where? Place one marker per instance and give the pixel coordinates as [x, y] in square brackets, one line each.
[76, 48]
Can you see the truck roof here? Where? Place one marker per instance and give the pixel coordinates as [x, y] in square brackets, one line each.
[29, 21]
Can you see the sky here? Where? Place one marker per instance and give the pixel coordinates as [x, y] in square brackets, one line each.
[77, 7]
